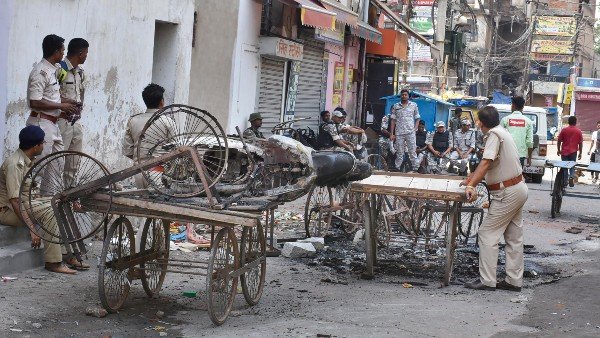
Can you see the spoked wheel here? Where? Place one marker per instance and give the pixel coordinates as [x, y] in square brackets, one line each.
[58, 173]
[557, 194]
[177, 126]
[115, 272]
[252, 251]
[315, 217]
[155, 241]
[220, 286]
[472, 214]
[401, 213]
[377, 162]
[434, 219]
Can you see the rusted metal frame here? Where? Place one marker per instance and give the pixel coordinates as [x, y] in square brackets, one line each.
[132, 260]
[407, 192]
[188, 261]
[201, 170]
[195, 265]
[172, 211]
[451, 242]
[93, 186]
[177, 271]
[60, 222]
[73, 229]
[247, 267]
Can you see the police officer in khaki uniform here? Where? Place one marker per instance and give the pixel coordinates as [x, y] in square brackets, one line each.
[71, 79]
[502, 170]
[253, 132]
[12, 172]
[43, 96]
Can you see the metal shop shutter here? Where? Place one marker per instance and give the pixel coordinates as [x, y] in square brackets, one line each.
[311, 85]
[270, 98]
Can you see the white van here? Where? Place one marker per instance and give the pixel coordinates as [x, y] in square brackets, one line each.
[540, 138]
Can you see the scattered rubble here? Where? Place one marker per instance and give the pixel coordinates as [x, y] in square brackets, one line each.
[519, 299]
[591, 219]
[97, 312]
[317, 242]
[574, 230]
[359, 236]
[298, 250]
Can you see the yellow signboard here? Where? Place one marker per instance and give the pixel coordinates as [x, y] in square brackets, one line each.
[552, 46]
[555, 25]
[569, 94]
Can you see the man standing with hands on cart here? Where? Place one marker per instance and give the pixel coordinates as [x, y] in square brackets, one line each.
[501, 167]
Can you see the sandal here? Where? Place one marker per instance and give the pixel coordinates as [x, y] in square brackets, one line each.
[59, 268]
[76, 265]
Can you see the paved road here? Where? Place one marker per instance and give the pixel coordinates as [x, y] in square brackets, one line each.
[297, 302]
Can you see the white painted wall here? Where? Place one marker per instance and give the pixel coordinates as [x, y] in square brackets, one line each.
[119, 64]
[6, 8]
[246, 67]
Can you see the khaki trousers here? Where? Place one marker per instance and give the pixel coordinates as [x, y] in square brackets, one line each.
[53, 143]
[52, 251]
[504, 218]
[72, 136]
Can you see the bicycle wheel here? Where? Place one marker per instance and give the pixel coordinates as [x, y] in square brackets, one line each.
[155, 241]
[472, 214]
[220, 286]
[252, 248]
[47, 178]
[557, 194]
[114, 272]
[178, 126]
[315, 221]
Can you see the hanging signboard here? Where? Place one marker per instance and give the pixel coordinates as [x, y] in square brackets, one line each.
[333, 36]
[422, 21]
[547, 78]
[564, 47]
[588, 82]
[338, 84]
[555, 25]
[551, 57]
[419, 51]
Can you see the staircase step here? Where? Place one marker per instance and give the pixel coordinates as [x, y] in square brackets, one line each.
[19, 257]
[12, 235]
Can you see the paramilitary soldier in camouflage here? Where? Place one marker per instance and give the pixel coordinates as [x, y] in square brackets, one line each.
[71, 79]
[464, 146]
[405, 121]
[252, 133]
[439, 144]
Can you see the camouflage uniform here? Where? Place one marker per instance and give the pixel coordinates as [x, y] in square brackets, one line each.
[463, 141]
[436, 165]
[405, 117]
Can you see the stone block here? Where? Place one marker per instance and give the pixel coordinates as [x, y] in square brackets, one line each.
[298, 250]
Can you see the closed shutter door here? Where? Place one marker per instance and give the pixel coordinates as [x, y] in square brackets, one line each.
[311, 85]
[587, 115]
[271, 93]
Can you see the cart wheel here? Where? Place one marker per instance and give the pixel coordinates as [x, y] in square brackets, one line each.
[220, 287]
[155, 241]
[472, 214]
[115, 274]
[56, 174]
[253, 247]
[401, 213]
[176, 126]
[557, 194]
[434, 218]
[315, 219]
[377, 162]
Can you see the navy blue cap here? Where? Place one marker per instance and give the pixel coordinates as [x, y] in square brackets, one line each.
[30, 136]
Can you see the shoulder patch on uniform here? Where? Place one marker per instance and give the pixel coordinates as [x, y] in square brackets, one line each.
[43, 72]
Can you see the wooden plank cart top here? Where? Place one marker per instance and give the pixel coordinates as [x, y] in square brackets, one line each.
[438, 187]
[421, 186]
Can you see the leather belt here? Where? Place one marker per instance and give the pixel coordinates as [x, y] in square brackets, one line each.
[41, 115]
[506, 184]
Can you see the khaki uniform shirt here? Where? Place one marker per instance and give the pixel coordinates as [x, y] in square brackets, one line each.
[464, 140]
[12, 172]
[136, 125]
[72, 86]
[43, 84]
[501, 149]
[405, 117]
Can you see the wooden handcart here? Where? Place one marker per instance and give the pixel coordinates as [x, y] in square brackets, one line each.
[442, 199]
[181, 166]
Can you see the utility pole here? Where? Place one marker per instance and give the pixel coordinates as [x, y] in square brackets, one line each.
[440, 38]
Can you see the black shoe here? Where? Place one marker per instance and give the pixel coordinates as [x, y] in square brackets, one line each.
[504, 285]
[478, 285]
